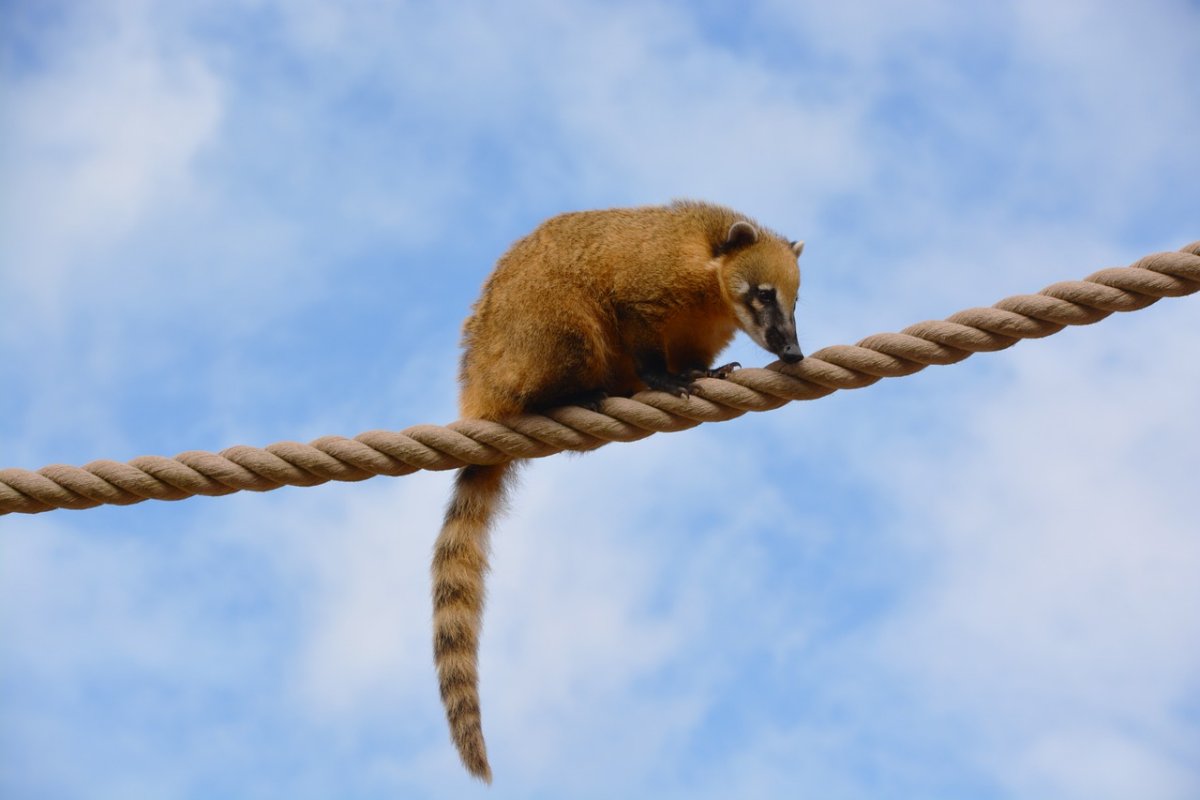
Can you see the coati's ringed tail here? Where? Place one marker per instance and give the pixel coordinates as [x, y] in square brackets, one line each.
[460, 562]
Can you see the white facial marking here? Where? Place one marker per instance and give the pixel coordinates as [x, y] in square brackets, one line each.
[755, 299]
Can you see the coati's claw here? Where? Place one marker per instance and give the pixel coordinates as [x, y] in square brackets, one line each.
[683, 384]
[678, 385]
[723, 371]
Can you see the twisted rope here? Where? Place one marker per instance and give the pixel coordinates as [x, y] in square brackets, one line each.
[618, 419]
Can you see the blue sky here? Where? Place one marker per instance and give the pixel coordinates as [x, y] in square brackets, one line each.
[242, 223]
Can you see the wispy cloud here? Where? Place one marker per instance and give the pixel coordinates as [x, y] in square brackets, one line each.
[265, 222]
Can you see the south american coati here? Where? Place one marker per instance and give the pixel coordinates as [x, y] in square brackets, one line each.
[590, 304]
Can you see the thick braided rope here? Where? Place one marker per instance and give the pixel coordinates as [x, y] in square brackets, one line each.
[618, 419]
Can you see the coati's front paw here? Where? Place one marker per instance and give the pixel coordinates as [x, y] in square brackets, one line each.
[682, 385]
[722, 372]
[678, 385]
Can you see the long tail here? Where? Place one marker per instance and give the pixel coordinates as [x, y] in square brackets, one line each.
[460, 561]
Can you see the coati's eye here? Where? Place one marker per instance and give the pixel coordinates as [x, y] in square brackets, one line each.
[765, 294]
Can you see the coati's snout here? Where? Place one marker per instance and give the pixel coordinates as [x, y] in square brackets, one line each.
[770, 321]
[790, 353]
[781, 340]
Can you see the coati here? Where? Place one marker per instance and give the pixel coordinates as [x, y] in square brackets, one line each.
[590, 304]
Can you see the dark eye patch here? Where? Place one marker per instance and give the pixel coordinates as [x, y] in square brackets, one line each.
[764, 294]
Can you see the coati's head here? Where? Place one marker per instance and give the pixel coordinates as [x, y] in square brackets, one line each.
[759, 279]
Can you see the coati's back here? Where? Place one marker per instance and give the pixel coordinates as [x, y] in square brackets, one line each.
[547, 326]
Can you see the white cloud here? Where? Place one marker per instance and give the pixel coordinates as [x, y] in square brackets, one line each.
[883, 584]
[95, 140]
[1091, 763]
[368, 642]
[569, 632]
[600, 605]
[1060, 608]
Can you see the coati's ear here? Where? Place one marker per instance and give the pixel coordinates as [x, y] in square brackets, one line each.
[797, 248]
[741, 234]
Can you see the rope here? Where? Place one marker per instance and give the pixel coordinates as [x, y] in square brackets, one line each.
[618, 419]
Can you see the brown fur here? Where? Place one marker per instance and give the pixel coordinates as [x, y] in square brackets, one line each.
[589, 303]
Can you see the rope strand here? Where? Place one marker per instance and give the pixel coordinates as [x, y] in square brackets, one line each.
[618, 419]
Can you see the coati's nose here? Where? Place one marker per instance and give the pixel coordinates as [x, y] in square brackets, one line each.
[791, 353]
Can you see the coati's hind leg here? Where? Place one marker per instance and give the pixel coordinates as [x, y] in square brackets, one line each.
[557, 363]
[589, 399]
